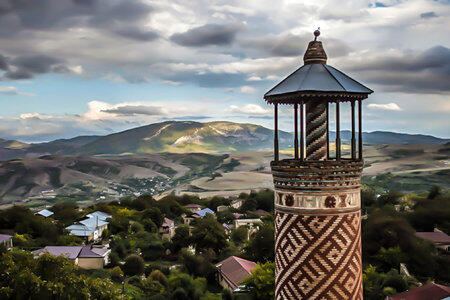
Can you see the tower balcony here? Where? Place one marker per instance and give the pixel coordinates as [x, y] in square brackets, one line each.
[317, 176]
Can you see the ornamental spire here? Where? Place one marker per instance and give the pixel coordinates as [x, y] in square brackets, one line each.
[315, 54]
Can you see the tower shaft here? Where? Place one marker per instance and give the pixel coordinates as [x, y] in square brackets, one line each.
[317, 230]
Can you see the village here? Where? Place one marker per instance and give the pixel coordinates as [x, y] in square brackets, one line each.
[96, 232]
[221, 239]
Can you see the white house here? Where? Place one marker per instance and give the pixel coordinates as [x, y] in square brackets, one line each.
[45, 213]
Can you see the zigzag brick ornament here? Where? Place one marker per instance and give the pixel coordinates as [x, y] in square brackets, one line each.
[317, 195]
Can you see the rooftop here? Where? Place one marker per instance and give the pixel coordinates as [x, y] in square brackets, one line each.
[430, 291]
[235, 269]
[204, 211]
[5, 237]
[168, 223]
[316, 79]
[193, 206]
[73, 252]
[80, 230]
[93, 222]
[437, 237]
[45, 212]
[101, 215]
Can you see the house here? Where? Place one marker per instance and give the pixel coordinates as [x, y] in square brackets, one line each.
[221, 208]
[80, 230]
[430, 291]
[233, 270]
[100, 215]
[251, 224]
[440, 239]
[193, 207]
[168, 228]
[6, 240]
[228, 228]
[86, 257]
[91, 228]
[197, 215]
[45, 213]
[203, 212]
[236, 203]
[96, 223]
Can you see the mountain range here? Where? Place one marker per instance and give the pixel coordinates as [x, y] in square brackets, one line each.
[186, 137]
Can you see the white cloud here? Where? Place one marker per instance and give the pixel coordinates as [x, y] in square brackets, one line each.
[9, 90]
[249, 109]
[387, 106]
[247, 90]
[76, 69]
[12, 90]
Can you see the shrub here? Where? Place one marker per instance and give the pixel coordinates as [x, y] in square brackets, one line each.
[134, 265]
[116, 274]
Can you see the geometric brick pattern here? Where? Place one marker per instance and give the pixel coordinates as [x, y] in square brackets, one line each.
[318, 256]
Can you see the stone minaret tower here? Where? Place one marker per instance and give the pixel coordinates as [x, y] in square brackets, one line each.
[317, 195]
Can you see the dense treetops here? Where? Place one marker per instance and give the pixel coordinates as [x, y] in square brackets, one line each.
[145, 266]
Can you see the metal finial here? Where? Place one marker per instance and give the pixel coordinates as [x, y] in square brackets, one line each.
[316, 33]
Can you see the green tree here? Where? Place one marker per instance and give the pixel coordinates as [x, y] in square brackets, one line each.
[181, 239]
[153, 214]
[65, 212]
[261, 283]
[368, 198]
[262, 243]
[208, 233]
[239, 235]
[392, 197]
[134, 265]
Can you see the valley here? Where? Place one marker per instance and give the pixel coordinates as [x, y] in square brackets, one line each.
[204, 159]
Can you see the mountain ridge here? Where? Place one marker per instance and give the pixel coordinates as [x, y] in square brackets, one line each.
[188, 137]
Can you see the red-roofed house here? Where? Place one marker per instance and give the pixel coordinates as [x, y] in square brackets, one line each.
[439, 238]
[194, 207]
[168, 228]
[233, 270]
[430, 291]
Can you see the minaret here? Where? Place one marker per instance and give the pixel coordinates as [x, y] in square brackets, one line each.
[317, 193]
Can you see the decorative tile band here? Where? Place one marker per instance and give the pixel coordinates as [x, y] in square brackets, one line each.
[336, 199]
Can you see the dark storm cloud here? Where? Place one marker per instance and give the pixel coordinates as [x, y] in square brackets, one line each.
[292, 45]
[28, 67]
[138, 34]
[19, 74]
[3, 63]
[36, 64]
[428, 15]
[206, 35]
[112, 16]
[209, 79]
[425, 72]
[130, 110]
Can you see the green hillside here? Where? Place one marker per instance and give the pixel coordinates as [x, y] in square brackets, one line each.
[187, 136]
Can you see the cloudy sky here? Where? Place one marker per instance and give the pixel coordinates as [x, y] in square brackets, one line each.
[72, 67]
